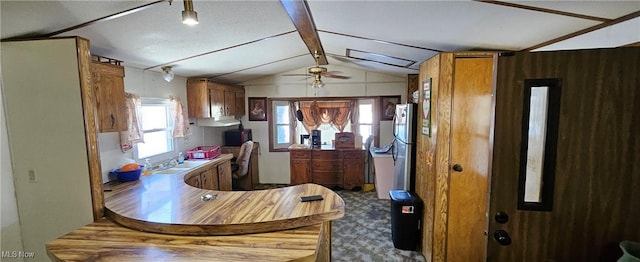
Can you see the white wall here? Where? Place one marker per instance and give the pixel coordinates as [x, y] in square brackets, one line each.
[10, 237]
[274, 166]
[45, 128]
[151, 84]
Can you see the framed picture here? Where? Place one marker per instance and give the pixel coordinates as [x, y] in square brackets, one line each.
[388, 107]
[426, 107]
[257, 109]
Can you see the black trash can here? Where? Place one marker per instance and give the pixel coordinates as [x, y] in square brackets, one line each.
[406, 213]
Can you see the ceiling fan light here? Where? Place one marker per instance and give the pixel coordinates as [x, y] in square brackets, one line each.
[167, 73]
[317, 83]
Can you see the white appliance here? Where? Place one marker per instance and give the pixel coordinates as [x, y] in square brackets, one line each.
[404, 150]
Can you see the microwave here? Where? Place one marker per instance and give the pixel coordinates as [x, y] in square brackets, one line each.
[236, 137]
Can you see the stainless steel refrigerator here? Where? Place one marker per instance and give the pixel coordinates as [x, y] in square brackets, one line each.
[404, 150]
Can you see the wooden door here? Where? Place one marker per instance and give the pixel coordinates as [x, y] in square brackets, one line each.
[198, 98]
[216, 100]
[240, 105]
[300, 166]
[595, 201]
[471, 114]
[229, 102]
[108, 83]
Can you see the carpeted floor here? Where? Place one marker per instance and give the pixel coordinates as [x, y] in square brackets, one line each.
[364, 233]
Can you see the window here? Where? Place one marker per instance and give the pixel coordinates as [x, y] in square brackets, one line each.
[282, 133]
[157, 128]
[281, 124]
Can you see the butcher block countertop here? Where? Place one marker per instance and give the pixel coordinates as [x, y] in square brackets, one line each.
[164, 203]
[105, 241]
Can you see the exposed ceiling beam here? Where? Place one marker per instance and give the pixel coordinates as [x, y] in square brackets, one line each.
[298, 11]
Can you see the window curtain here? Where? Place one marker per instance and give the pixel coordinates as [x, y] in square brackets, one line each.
[180, 119]
[134, 134]
[355, 115]
[317, 113]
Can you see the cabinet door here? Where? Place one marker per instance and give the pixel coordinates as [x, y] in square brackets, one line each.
[229, 102]
[193, 181]
[224, 176]
[216, 97]
[108, 83]
[353, 169]
[300, 171]
[209, 179]
[240, 105]
[198, 98]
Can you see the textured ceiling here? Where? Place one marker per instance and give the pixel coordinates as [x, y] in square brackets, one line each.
[237, 41]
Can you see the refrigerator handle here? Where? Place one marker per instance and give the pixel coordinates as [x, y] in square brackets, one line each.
[393, 124]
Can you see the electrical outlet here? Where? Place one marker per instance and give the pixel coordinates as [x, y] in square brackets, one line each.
[32, 176]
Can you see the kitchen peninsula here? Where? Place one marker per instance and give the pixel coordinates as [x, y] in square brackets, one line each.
[201, 224]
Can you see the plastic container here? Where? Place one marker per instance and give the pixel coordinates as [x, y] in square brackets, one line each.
[147, 167]
[406, 213]
[204, 152]
[127, 176]
[180, 158]
[630, 251]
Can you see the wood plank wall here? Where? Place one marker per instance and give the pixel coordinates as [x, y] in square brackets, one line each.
[597, 190]
[425, 156]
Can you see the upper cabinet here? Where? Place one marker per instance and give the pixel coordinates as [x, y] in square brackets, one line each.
[208, 99]
[108, 83]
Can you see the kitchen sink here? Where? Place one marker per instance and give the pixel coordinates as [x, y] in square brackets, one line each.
[190, 164]
[173, 170]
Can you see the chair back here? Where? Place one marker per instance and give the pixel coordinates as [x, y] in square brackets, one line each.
[243, 159]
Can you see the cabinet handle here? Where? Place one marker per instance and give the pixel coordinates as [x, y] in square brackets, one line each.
[113, 121]
[226, 112]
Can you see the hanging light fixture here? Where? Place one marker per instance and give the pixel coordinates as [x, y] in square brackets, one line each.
[167, 73]
[189, 16]
[317, 83]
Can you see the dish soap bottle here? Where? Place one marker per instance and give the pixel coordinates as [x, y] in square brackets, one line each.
[147, 167]
[180, 158]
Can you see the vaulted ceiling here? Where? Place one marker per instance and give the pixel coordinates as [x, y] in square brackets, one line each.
[237, 41]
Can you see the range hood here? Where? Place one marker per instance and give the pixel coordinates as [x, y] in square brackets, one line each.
[218, 121]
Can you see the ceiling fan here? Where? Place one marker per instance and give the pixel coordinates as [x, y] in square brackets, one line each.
[317, 72]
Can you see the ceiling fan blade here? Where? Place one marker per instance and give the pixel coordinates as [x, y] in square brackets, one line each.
[338, 76]
[333, 74]
[296, 75]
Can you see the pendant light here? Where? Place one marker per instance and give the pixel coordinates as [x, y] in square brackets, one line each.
[189, 16]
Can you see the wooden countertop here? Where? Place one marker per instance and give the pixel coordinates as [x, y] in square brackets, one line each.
[164, 203]
[105, 241]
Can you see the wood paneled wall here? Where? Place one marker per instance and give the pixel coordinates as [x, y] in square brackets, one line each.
[425, 156]
[597, 179]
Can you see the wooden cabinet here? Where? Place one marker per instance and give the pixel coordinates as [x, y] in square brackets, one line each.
[353, 168]
[300, 166]
[208, 99]
[342, 168]
[108, 83]
[214, 177]
[252, 179]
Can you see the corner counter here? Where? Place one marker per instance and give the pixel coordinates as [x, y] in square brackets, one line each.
[262, 225]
